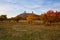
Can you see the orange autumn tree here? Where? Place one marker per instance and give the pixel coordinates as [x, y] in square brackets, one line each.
[51, 16]
[48, 17]
[43, 18]
[31, 17]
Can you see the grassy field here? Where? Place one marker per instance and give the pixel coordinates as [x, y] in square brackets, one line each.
[26, 31]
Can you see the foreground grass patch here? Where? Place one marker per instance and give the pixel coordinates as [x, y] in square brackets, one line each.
[25, 31]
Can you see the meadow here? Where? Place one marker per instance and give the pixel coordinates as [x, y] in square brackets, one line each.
[32, 31]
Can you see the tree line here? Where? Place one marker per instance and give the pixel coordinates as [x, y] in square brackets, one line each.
[48, 17]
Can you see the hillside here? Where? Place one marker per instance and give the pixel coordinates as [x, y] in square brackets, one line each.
[25, 14]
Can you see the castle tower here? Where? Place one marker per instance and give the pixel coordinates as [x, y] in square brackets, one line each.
[24, 11]
[32, 12]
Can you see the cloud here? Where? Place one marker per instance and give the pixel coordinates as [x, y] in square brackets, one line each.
[14, 7]
[10, 10]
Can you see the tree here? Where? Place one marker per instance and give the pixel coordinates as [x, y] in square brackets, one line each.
[51, 16]
[57, 16]
[15, 19]
[48, 17]
[30, 18]
[3, 17]
[43, 18]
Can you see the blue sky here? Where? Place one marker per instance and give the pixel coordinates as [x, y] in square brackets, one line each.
[15, 7]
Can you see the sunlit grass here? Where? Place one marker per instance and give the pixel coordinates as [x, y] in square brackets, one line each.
[26, 31]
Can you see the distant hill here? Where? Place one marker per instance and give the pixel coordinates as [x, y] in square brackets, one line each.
[24, 15]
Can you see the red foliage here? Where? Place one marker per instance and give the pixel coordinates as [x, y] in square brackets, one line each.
[51, 13]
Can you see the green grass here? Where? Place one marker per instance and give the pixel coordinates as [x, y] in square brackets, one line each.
[25, 31]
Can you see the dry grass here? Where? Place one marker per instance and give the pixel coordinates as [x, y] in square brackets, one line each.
[26, 31]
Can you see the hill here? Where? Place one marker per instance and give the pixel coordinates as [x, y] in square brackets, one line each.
[25, 14]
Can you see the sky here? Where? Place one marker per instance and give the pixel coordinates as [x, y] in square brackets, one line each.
[12, 8]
